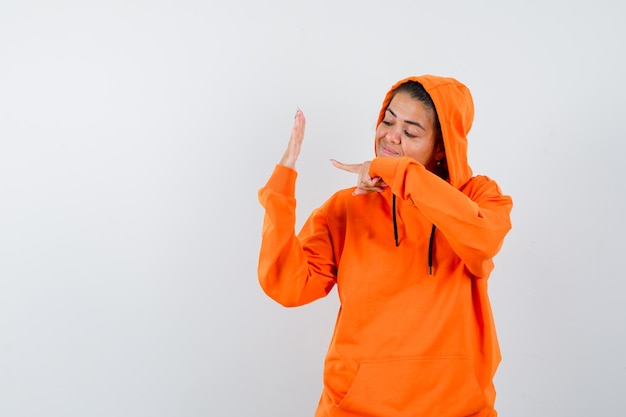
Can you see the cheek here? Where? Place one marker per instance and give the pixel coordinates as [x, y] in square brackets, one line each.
[408, 150]
[419, 153]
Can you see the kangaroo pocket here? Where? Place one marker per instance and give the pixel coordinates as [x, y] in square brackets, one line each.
[440, 386]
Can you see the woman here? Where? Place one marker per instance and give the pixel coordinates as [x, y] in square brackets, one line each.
[410, 249]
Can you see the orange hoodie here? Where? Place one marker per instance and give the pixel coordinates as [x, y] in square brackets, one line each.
[414, 334]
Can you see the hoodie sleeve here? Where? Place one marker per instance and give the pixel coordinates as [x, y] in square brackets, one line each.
[293, 270]
[474, 221]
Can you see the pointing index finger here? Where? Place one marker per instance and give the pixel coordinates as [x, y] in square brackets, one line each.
[354, 168]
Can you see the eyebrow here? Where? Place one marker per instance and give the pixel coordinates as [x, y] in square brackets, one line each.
[407, 121]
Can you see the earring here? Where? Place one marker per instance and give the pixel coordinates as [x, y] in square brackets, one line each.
[438, 162]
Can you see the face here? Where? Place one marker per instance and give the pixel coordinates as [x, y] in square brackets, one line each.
[408, 129]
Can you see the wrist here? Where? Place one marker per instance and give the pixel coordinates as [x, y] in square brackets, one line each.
[288, 161]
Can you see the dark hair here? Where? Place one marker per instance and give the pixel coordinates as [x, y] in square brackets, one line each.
[419, 93]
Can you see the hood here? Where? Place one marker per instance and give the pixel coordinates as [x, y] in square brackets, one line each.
[455, 109]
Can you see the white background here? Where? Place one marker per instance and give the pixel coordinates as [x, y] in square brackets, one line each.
[134, 136]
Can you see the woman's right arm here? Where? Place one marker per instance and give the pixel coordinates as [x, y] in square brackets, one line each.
[293, 270]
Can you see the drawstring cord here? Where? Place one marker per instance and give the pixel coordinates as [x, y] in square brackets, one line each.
[431, 242]
[395, 223]
[430, 250]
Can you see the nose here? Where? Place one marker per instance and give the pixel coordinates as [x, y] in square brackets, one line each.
[393, 137]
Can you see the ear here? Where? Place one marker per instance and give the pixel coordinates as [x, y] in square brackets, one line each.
[440, 151]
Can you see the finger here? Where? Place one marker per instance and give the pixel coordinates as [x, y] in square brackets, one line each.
[365, 186]
[353, 168]
[295, 141]
[363, 191]
[359, 191]
[373, 188]
[378, 182]
[297, 131]
[367, 182]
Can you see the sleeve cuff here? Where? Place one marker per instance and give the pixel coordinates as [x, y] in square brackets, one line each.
[385, 168]
[283, 180]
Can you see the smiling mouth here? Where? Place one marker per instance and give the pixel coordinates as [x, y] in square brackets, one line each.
[388, 150]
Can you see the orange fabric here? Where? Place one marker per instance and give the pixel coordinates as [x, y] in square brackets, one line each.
[406, 343]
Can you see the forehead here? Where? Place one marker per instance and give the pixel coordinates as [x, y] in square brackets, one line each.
[407, 108]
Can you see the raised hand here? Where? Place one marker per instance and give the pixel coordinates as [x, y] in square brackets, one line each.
[365, 184]
[295, 141]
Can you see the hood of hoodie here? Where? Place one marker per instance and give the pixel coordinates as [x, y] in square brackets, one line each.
[455, 109]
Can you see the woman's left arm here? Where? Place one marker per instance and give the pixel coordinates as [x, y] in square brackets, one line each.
[475, 219]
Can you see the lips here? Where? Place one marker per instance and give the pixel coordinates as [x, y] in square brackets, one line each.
[387, 151]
